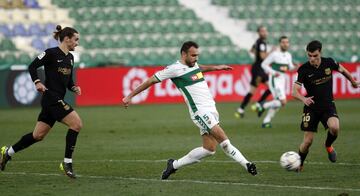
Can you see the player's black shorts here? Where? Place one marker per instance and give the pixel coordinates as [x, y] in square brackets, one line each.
[311, 118]
[258, 76]
[55, 112]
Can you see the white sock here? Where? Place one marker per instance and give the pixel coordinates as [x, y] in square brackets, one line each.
[66, 160]
[11, 151]
[270, 114]
[272, 104]
[194, 156]
[233, 153]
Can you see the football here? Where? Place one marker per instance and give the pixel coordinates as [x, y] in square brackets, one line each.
[290, 160]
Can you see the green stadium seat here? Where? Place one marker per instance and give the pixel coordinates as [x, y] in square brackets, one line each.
[24, 59]
[10, 59]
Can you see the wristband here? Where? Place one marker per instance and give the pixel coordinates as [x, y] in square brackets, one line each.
[37, 81]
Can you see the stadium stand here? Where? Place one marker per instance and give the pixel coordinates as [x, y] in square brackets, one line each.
[335, 23]
[149, 32]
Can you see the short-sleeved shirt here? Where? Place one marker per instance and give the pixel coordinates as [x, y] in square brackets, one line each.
[318, 82]
[58, 73]
[259, 46]
[192, 85]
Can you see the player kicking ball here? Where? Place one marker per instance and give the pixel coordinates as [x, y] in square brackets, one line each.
[188, 77]
[319, 106]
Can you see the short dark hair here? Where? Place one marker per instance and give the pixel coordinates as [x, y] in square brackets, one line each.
[187, 45]
[260, 27]
[283, 37]
[61, 33]
[313, 46]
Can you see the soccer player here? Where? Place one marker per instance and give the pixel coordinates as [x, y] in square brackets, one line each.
[257, 73]
[188, 77]
[58, 63]
[319, 106]
[275, 65]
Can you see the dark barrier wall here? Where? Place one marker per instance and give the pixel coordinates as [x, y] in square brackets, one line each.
[17, 89]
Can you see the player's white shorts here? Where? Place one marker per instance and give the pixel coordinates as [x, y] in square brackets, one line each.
[277, 86]
[205, 120]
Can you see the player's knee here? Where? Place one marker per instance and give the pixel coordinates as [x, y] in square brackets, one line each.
[38, 136]
[77, 126]
[283, 102]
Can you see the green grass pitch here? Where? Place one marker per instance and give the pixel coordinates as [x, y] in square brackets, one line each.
[123, 152]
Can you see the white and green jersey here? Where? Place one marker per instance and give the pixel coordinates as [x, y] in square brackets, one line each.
[279, 61]
[192, 85]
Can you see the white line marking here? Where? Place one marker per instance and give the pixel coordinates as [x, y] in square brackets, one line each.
[163, 160]
[193, 181]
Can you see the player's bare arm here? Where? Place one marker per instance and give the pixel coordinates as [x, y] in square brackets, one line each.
[149, 82]
[207, 68]
[296, 94]
[348, 76]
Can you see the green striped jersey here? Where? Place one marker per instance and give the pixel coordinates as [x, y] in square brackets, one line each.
[279, 62]
[191, 83]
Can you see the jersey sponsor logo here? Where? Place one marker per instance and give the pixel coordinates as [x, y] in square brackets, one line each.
[322, 80]
[197, 76]
[327, 71]
[64, 70]
[41, 55]
[59, 61]
[311, 75]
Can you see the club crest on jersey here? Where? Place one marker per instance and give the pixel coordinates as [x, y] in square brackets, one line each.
[327, 71]
[197, 76]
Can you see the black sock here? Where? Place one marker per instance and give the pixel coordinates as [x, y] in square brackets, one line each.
[330, 139]
[264, 95]
[70, 143]
[25, 141]
[302, 157]
[246, 100]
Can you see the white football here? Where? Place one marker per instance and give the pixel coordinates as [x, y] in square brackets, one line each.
[290, 160]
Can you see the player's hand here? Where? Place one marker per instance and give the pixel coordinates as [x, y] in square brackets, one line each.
[76, 89]
[126, 102]
[355, 84]
[224, 67]
[40, 87]
[308, 100]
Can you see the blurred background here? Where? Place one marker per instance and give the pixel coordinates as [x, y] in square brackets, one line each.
[138, 33]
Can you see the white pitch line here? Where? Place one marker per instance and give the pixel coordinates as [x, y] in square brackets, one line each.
[194, 181]
[164, 160]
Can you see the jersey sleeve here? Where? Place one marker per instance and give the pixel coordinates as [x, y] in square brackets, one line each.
[168, 72]
[36, 63]
[300, 77]
[71, 81]
[267, 62]
[334, 65]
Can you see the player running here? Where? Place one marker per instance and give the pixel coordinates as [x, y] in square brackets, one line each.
[188, 77]
[276, 65]
[319, 106]
[257, 73]
[58, 63]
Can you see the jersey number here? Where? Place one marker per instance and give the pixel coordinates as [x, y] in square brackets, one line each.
[306, 117]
